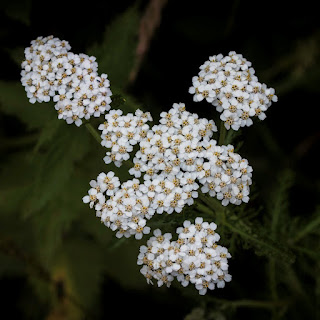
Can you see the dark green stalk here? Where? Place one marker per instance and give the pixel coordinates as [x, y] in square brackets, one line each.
[223, 132]
[93, 132]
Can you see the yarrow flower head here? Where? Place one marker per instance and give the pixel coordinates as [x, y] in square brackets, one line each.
[175, 159]
[180, 152]
[121, 132]
[194, 258]
[229, 83]
[122, 208]
[51, 72]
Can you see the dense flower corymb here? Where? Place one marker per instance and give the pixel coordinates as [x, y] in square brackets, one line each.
[175, 159]
[194, 258]
[180, 152]
[229, 83]
[51, 72]
[121, 207]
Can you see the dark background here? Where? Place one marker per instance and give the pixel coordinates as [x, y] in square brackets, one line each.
[280, 38]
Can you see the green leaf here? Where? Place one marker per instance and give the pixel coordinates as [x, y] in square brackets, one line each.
[17, 173]
[308, 227]
[16, 54]
[116, 53]
[253, 236]
[55, 165]
[81, 263]
[18, 10]
[47, 133]
[14, 101]
[279, 202]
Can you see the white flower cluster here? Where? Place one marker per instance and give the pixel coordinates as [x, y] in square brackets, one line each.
[180, 153]
[122, 132]
[194, 258]
[230, 177]
[229, 83]
[175, 158]
[124, 208]
[50, 71]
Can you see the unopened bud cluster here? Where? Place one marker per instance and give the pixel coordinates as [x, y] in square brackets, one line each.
[51, 72]
[194, 258]
[229, 83]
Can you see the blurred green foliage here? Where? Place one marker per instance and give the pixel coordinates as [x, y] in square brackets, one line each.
[53, 242]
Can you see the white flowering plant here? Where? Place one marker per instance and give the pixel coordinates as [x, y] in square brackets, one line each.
[175, 160]
[173, 186]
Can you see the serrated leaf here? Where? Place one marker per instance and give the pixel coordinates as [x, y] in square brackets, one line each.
[16, 175]
[14, 101]
[47, 133]
[308, 227]
[62, 213]
[254, 237]
[116, 53]
[279, 202]
[56, 164]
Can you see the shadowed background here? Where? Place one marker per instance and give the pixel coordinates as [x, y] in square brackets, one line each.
[57, 261]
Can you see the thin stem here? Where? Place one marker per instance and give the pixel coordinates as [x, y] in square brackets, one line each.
[223, 132]
[257, 304]
[210, 202]
[97, 137]
[93, 132]
[313, 254]
[272, 279]
[204, 208]
[246, 235]
[246, 303]
[221, 212]
[272, 270]
[311, 226]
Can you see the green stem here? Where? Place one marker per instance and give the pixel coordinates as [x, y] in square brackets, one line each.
[257, 304]
[223, 132]
[93, 132]
[272, 266]
[247, 236]
[97, 137]
[204, 208]
[312, 225]
[212, 203]
[246, 303]
[310, 253]
[272, 279]
[231, 224]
